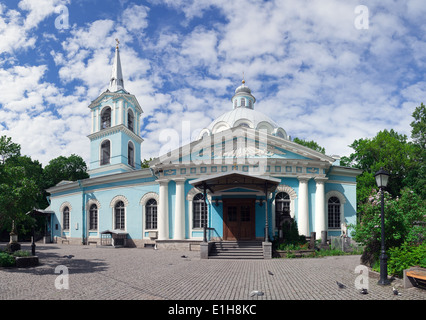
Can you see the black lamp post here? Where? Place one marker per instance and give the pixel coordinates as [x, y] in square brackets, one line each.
[382, 178]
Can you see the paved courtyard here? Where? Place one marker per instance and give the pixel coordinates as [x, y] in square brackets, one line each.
[131, 273]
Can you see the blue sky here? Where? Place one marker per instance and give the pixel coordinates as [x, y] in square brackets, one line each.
[316, 67]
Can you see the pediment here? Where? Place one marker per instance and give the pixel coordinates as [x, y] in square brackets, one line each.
[237, 143]
[107, 95]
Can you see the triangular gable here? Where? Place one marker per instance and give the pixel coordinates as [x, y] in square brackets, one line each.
[115, 95]
[241, 143]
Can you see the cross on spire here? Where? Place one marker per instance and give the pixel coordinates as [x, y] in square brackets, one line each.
[116, 82]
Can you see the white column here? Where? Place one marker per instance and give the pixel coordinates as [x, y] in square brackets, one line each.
[163, 211]
[120, 112]
[93, 121]
[179, 233]
[319, 207]
[98, 120]
[303, 210]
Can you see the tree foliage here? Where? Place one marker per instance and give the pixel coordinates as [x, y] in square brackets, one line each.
[402, 214]
[23, 182]
[310, 144]
[387, 149]
[70, 168]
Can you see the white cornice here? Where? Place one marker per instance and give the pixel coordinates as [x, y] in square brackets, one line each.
[116, 95]
[111, 178]
[108, 131]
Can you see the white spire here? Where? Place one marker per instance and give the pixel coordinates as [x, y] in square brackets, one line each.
[116, 83]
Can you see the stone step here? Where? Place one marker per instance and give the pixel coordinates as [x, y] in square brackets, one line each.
[236, 250]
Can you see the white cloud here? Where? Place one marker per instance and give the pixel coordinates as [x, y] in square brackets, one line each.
[308, 66]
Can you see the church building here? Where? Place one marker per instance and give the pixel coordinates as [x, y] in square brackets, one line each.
[237, 183]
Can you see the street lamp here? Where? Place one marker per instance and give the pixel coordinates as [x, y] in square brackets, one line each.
[382, 178]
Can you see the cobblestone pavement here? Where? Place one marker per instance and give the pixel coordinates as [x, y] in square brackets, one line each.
[132, 273]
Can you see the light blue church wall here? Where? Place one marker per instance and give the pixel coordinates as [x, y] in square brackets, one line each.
[74, 201]
[349, 192]
[132, 190]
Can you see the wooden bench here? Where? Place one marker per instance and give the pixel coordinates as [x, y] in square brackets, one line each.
[415, 277]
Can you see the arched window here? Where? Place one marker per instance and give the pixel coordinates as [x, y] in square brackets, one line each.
[131, 154]
[199, 211]
[66, 218]
[250, 104]
[243, 102]
[282, 207]
[106, 118]
[119, 216]
[130, 120]
[333, 213]
[235, 103]
[105, 152]
[93, 217]
[151, 214]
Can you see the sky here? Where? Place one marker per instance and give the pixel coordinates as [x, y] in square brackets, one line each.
[329, 71]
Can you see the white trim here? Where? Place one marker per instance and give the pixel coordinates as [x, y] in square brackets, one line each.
[292, 194]
[88, 205]
[147, 196]
[190, 196]
[342, 199]
[100, 153]
[61, 210]
[119, 198]
[126, 203]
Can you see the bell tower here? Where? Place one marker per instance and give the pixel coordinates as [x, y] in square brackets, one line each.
[115, 142]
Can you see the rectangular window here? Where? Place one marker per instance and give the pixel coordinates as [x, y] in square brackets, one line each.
[151, 217]
[334, 216]
[199, 214]
[66, 218]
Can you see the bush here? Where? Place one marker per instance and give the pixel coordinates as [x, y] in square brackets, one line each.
[22, 253]
[6, 260]
[291, 234]
[404, 257]
[401, 215]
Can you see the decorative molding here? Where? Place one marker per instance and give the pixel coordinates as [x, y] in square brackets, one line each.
[191, 194]
[65, 204]
[336, 194]
[92, 201]
[287, 189]
[147, 196]
[119, 198]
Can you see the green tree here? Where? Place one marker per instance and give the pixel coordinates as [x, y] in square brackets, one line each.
[417, 177]
[401, 213]
[387, 149]
[145, 163]
[19, 193]
[70, 168]
[8, 148]
[310, 144]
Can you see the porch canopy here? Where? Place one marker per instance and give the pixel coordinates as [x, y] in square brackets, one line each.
[236, 179]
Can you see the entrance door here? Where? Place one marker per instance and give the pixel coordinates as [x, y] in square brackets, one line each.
[238, 219]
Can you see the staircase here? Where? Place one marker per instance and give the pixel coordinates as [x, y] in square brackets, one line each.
[236, 250]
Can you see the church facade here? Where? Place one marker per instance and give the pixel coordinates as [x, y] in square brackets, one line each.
[238, 181]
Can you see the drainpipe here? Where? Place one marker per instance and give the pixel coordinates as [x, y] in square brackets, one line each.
[207, 208]
[266, 214]
[83, 214]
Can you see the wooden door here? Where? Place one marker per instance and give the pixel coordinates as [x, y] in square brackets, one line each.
[238, 219]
